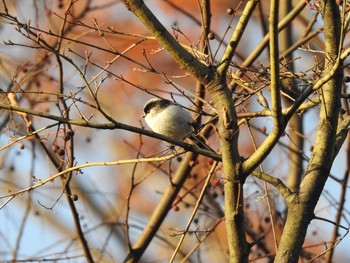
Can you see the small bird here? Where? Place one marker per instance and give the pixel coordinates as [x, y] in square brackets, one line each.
[168, 118]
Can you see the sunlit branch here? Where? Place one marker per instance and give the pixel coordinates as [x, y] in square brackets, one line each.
[274, 68]
[330, 74]
[27, 136]
[274, 181]
[282, 24]
[179, 54]
[78, 169]
[115, 125]
[236, 36]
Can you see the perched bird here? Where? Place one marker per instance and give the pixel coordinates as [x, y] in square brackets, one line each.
[168, 118]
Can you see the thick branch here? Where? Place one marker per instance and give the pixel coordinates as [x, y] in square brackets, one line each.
[301, 213]
[185, 59]
[233, 186]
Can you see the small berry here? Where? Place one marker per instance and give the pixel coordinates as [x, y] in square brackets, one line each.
[70, 132]
[60, 152]
[229, 11]
[211, 36]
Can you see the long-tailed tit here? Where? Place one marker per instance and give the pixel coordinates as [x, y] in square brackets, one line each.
[168, 118]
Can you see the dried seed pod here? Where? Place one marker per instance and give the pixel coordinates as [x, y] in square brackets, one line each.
[60, 152]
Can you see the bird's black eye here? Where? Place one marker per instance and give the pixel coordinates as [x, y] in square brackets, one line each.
[147, 108]
[149, 105]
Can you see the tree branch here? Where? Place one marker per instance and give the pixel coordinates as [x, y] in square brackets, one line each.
[301, 210]
[236, 36]
[185, 59]
[115, 125]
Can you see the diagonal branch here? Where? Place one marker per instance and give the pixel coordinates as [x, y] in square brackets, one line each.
[78, 169]
[285, 22]
[161, 210]
[236, 36]
[185, 59]
[250, 164]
